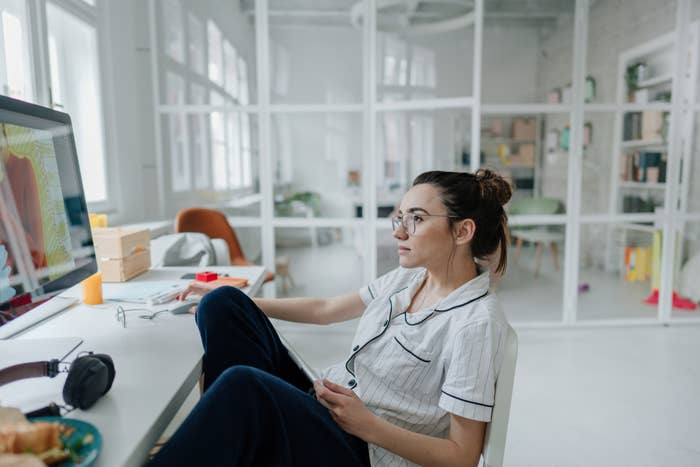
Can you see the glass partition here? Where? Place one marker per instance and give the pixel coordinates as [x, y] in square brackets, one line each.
[424, 54]
[535, 271]
[206, 50]
[316, 58]
[527, 55]
[640, 43]
[619, 268]
[686, 287]
[317, 164]
[412, 142]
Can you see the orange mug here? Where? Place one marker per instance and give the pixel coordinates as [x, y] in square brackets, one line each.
[92, 290]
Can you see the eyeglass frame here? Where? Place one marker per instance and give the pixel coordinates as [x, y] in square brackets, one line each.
[121, 314]
[398, 220]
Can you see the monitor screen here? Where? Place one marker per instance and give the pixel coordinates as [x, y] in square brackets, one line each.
[45, 238]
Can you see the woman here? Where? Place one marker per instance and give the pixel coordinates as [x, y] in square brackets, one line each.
[418, 384]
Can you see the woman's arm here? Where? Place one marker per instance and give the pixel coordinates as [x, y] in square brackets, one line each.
[313, 310]
[461, 448]
[300, 310]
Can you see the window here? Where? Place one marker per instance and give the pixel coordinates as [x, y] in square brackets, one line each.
[246, 150]
[218, 145]
[243, 96]
[179, 159]
[75, 88]
[173, 30]
[196, 46]
[15, 62]
[200, 140]
[423, 67]
[215, 53]
[230, 60]
[235, 175]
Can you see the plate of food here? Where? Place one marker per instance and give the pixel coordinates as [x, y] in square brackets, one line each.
[55, 441]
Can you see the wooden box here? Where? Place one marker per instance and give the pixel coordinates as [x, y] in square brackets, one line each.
[122, 253]
[118, 242]
[524, 129]
[123, 269]
[526, 153]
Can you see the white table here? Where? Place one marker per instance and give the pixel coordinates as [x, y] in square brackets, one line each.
[157, 364]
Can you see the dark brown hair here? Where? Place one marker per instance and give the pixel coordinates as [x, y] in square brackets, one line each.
[480, 197]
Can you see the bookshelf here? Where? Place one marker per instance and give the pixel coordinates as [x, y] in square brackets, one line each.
[511, 145]
[640, 146]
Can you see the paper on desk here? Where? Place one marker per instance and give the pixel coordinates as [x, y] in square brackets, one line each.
[136, 292]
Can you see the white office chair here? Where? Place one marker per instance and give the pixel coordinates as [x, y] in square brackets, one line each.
[496, 430]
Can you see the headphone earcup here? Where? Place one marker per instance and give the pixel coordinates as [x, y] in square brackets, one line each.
[86, 382]
[107, 360]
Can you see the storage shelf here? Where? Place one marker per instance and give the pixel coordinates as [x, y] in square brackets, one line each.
[647, 144]
[505, 139]
[647, 83]
[643, 185]
[638, 227]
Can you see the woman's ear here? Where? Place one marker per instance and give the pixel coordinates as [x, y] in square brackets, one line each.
[464, 231]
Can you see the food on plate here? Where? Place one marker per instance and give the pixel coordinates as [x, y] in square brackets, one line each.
[43, 440]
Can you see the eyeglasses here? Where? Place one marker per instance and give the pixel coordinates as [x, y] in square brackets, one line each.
[409, 220]
[121, 314]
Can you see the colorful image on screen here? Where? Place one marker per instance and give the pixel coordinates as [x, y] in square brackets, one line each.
[35, 244]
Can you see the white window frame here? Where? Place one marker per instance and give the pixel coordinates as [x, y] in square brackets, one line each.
[95, 16]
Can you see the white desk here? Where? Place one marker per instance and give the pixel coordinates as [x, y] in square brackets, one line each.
[157, 365]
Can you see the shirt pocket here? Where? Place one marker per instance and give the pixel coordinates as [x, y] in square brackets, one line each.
[408, 366]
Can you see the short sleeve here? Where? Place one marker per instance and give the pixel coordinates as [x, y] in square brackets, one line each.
[379, 286]
[471, 369]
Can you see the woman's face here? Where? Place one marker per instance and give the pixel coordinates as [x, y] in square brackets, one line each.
[432, 242]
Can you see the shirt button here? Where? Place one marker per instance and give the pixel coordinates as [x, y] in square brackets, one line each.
[351, 383]
[354, 349]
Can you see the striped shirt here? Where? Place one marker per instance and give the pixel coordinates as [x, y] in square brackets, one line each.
[415, 369]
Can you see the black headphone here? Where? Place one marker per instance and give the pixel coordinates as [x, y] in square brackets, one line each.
[90, 376]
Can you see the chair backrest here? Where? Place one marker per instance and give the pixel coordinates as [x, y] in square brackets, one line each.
[213, 224]
[535, 206]
[497, 428]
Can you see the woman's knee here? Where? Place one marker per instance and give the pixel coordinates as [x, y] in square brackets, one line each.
[222, 303]
[239, 380]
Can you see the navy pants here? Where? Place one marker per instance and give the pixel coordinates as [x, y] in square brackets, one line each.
[256, 409]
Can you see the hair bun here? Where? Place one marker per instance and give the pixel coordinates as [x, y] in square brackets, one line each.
[493, 186]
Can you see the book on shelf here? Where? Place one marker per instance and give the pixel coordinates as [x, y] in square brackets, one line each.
[649, 125]
[638, 263]
[644, 167]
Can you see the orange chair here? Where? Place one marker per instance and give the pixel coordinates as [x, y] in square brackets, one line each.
[214, 225]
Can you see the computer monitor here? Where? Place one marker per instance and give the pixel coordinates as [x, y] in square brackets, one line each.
[45, 238]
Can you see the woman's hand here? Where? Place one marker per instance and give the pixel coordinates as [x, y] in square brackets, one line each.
[346, 408]
[197, 288]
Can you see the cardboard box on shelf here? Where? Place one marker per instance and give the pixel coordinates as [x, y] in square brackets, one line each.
[524, 129]
[496, 127]
[526, 153]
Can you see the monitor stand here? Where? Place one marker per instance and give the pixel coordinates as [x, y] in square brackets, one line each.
[36, 315]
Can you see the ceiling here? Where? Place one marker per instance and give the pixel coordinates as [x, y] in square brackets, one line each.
[394, 13]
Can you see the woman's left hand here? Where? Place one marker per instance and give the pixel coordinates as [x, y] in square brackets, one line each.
[346, 408]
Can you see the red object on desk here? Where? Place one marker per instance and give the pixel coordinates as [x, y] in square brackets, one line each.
[206, 276]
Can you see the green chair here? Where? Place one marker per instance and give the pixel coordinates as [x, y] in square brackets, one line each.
[537, 235]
